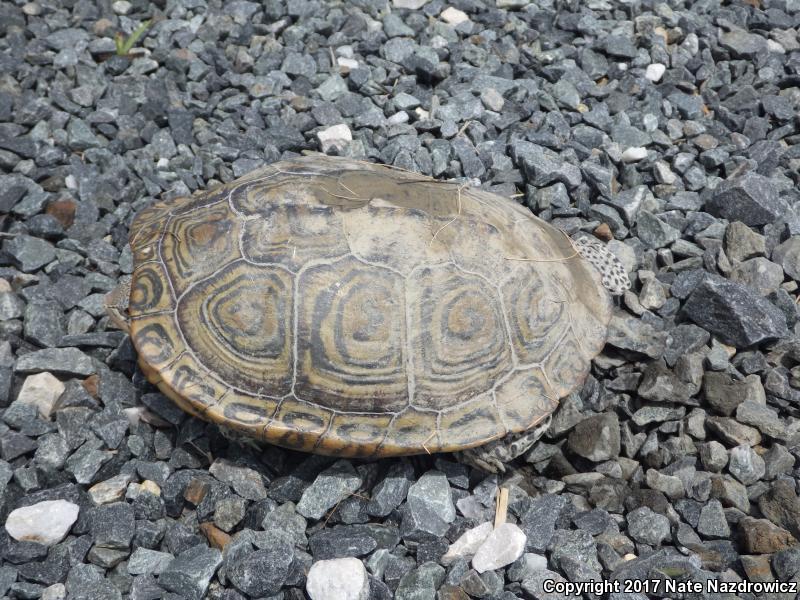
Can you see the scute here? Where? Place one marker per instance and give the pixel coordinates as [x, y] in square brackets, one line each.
[341, 307]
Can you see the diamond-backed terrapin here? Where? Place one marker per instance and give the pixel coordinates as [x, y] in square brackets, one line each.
[346, 308]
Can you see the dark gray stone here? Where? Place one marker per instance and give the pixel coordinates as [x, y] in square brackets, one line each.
[391, 491]
[190, 573]
[734, 313]
[750, 198]
[263, 572]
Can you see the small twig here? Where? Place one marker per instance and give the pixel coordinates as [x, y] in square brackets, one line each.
[501, 503]
[336, 507]
[428, 439]
[458, 214]
[574, 254]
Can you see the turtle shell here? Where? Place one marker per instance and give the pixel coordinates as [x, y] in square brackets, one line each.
[341, 307]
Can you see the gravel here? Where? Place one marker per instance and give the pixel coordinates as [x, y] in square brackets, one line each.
[669, 130]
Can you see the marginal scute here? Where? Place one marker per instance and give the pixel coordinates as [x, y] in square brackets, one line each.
[412, 428]
[475, 422]
[565, 365]
[150, 292]
[346, 308]
[524, 399]
[298, 425]
[189, 381]
[357, 435]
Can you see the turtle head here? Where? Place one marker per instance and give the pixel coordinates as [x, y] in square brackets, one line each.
[116, 303]
[612, 272]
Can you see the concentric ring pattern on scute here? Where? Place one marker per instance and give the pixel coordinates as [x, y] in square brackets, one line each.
[347, 308]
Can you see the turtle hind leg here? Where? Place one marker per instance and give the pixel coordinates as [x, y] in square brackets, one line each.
[494, 456]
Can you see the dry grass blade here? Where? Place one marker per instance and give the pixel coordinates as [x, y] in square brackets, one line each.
[501, 507]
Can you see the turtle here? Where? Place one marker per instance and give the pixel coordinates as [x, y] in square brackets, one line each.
[347, 308]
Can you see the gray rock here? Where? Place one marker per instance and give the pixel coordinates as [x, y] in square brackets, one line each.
[733, 433]
[742, 243]
[538, 582]
[11, 306]
[712, 523]
[627, 202]
[539, 521]
[628, 333]
[653, 231]
[543, 167]
[432, 493]
[596, 438]
[648, 527]
[421, 583]
[787, 255]
[577, 544]
[782, 506]
[735, 314]
[391, 491]
[29, 253]
[724, 394]
[329, 488]
[730, 492]
[668, 484]
[747, 466]
[145, 561]
[263, 572]
[759, 274]
[743, 44]
[45, 324]
[190, 573]
[714, 456]
[65, 361]
[113, 525]
[761, 417]
[778, 461]
[750, 198]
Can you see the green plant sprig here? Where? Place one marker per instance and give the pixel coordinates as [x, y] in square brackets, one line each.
[124, 45]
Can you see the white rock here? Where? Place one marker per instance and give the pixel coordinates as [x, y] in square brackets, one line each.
[467, 545]
[492, 99]
[634, 153]
[122, 7]
[503, 546]
[398, 118]
[347, 63]
[338, 579]
[410, 4]
[31, 9]
[471, 508]
[655, 72]
[47, 522]
[41, 390]
[453, 16]
[534, 562]
[335, 135]
[57, 591]
[110, 490]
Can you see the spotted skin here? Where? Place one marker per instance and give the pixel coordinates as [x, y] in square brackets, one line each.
[612, 271]
[345, 308]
